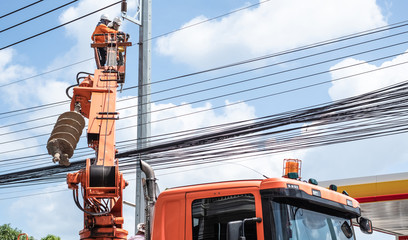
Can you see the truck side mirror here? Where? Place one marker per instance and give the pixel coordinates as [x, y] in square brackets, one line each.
[236, 229]
[366, 225]
[345, 227]
[233, 230]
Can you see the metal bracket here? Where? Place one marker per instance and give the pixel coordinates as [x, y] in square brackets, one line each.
[137, 19]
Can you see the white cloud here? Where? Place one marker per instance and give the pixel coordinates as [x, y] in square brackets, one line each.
[270, 27]
[38, 90]
[205, 116]
[48, 213]
[363, 83]
[362, 158]
[10, 72]
[10, 141]
[169, 117]
[5, 58]
[82, 30]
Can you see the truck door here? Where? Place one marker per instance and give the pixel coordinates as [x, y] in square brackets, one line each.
[209, 212]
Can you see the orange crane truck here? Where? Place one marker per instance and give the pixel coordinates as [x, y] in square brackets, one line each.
[271, 209]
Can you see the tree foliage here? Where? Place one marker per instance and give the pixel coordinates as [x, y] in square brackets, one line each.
[9, 233]
[51, 237]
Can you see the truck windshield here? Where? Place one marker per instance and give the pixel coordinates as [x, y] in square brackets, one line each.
[287, 222]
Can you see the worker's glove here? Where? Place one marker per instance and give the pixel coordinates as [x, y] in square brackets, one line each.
[127, 36]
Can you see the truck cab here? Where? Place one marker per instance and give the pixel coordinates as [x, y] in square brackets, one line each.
[269, 209]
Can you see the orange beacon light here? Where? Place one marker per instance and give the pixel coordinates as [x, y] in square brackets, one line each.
[292, 168]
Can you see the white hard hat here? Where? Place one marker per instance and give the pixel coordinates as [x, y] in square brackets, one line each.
[141, 227]
[117, 21]
[105, 17]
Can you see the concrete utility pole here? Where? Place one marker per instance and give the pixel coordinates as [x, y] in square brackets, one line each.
[143, 119]
[142, 18]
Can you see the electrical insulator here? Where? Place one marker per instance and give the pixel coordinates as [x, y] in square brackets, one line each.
[124, 6]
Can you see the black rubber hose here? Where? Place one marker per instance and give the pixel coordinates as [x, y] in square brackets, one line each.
[66, 91]
[77, 76]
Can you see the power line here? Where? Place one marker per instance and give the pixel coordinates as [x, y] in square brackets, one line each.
[252, 89]
[337, 116]
[10, 13]
[148, 39]
[30, 109]
[306, 47]
[253, 69]
[297, 59]
[208, 20]
[45, 13]
[335, 138]
[54, 28]
[33, 194]
[229, 13]
[29, 121]
[217, 87]
[268, 75]
[376, 30]
[379, 113]
[47, 72]
[41, 190]
[154, 138]
[126, 140]
[271, 84]
[290, 51]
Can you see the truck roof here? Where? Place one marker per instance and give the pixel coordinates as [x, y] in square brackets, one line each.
[216, 185]
[264, 184]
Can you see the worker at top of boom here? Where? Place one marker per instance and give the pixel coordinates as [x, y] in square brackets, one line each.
[115, 24]
[98, 36]
[102, 28]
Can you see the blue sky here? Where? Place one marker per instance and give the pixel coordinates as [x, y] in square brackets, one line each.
[267, 28]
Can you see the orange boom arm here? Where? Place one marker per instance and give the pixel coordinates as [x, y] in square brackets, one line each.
[101, 181]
